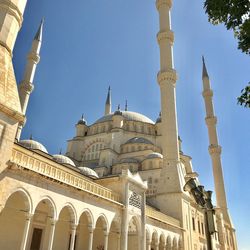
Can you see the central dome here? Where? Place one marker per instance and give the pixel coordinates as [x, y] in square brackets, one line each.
[128, 115]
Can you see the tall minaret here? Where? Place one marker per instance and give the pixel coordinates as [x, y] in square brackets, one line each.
[167, 77]
[108, 103]
[11, 19]
[214, 147]
[26, 86]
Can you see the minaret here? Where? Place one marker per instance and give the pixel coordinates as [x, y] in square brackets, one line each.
[167, 77]
[26, 86]
[11, 19]
[214, 147]
[108, 103]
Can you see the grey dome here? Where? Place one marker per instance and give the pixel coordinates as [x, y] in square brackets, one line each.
[128, 115]
[88, 172]
[138, 140]
[154, 155]
[33, 145]
[129, 160]
[62, 159]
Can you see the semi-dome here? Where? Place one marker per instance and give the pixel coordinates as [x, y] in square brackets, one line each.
[62, 159]
[154, 155]
[128, 115]
[138, 140]
[33, 145]
[129, 160]
[88, 172]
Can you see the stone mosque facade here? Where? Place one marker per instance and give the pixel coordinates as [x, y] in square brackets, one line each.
[124, 183]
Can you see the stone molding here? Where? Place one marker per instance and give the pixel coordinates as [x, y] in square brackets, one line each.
[12, 113]
[165, 35]
[160, 3]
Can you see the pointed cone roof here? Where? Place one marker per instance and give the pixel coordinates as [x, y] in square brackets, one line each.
[204, 69]
[39, 33]
[108, 100]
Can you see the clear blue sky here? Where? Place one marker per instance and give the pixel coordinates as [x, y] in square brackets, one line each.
[91, 44]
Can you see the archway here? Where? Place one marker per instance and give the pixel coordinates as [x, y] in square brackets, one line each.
[65, 228]
[133, 234]
[175, 244]
[100, 239]
[169, 243]
[155, 241]
[83, 231]
[42, 226]
[114, 236]
[13, 221]
[162, 242]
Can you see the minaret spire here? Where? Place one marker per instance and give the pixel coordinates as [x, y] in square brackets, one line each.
[126, 105]
[214, 147]
[26, 86]
[108, 102]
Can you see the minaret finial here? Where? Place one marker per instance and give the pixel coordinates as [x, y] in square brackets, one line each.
[39, 33]
[60, 152]
[204, 70]
[119, 107]
[108, 102]
[126, 105]
[31, 137]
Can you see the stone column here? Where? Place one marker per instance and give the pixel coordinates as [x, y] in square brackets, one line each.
[143, 221]
[124, 236]
[73, 236]
[118, 240]
[91, 234]
[157, 245]
[148, 245]
[52, 233]
[26, 231]
[106, 239]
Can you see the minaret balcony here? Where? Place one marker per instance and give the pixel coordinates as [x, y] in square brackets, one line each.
[214, 150]
[207, 93]
[165, 35]
[160, 3]
[169, 76]
[211, 121]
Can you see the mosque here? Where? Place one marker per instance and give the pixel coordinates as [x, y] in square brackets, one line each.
[124, 183]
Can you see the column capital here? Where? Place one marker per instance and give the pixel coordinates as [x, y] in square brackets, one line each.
[53, 221]
[215, 150]
[106, 233]
[165, 35]
[169, 76]
[91, 229]
[160, 3]
[74, 226]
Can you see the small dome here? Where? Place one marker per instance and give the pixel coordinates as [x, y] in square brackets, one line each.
[129, 160]
[33, 145]
[62, 159]
[88, 172]
[138, 140]
[154, 155]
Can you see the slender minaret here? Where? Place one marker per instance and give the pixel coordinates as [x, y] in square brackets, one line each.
[26, 86]
[214, 147]
[108, 102]
[170, 178]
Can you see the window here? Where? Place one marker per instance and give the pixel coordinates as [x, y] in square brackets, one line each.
[199, 227]
[202, 228]
[193, 222]
[36, 239]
